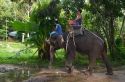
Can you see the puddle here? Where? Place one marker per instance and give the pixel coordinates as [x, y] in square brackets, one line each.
[15, 74]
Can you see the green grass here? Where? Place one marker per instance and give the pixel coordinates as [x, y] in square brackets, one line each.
[10, 54]
[9, 48]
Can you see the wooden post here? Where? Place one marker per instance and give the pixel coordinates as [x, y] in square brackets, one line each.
[23, 35]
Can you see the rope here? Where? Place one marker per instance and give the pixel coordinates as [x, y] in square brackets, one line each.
[71, 34]
[74, 40]
[67, 41]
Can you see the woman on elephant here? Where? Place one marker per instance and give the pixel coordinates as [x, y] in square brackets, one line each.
[78, 19]
[77, 23]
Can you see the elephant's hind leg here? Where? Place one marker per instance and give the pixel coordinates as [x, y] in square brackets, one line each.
[107, 63]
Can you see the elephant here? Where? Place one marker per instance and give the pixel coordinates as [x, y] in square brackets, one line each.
[88, 43]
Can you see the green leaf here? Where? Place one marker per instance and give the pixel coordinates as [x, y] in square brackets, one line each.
[24, 26]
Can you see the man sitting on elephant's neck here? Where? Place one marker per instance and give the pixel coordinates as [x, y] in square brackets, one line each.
[57, 33]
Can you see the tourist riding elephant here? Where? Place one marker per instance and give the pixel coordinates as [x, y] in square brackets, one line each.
[88, 43]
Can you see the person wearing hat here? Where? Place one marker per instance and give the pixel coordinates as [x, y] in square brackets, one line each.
[57, 33]
[58, 29]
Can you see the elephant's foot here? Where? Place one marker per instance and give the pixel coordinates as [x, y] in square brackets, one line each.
[87, 72]
[109, 73]
[69, 70]
[50, 66]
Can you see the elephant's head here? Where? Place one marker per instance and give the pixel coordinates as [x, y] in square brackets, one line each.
[56, 42]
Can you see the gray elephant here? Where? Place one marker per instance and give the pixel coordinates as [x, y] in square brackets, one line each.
[88, 43]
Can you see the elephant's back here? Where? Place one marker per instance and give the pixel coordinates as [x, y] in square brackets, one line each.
[89, 41]
[91, 36]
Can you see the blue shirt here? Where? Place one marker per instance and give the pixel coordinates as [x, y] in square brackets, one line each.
[58, 29]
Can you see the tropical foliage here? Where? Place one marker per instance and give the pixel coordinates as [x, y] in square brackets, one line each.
[104, 17]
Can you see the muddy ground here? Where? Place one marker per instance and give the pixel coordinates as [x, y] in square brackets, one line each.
[60, 75]
[57, 75]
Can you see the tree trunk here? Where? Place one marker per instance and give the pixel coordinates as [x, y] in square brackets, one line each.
[122, 34]
[122, 27]
[123, 39]
[46, 54]
[43, 53]
[111, 42]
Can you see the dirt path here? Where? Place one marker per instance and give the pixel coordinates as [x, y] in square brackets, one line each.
[61, 76]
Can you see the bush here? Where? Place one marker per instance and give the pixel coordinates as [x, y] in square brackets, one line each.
[2, 34]
[118, 41]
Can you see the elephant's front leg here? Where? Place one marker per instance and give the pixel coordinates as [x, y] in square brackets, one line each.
[69, 59]
[92, 64]
[51, 56]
